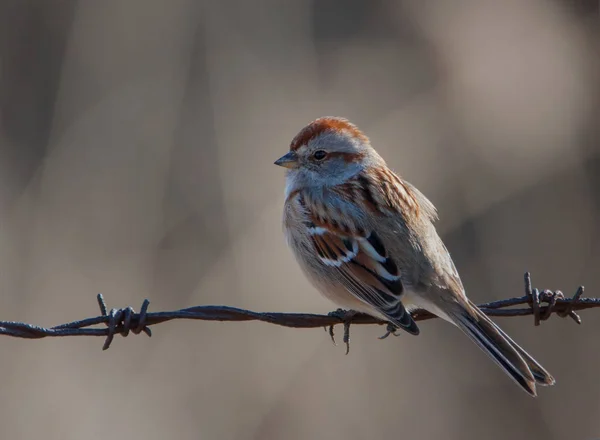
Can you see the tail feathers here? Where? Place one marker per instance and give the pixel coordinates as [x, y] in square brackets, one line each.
[509, 356]
[541, 376]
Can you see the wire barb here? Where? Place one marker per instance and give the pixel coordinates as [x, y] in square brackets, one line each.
[569, 309]
[552, 298]
[541, 305]
[119, 321]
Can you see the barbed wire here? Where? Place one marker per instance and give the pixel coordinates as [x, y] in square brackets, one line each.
[540, 303]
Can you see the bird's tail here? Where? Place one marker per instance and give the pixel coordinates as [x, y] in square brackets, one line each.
[515, 361]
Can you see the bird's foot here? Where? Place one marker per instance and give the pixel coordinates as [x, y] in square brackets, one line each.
[345, 316]
[391, 329]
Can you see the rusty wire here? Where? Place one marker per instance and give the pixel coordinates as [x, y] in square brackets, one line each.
[541, 304]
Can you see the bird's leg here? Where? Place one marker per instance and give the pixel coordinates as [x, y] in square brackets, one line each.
[390, 330]
[346, 317]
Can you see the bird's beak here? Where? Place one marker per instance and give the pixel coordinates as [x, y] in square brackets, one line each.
[290, 160]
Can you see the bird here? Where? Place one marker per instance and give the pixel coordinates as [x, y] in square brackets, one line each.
[365, 238]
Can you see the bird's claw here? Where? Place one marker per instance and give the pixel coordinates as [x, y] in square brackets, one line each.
[391, 329]
[346, 317]
[331, 334]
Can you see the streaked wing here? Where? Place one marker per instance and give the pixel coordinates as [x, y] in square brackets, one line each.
[363, 266]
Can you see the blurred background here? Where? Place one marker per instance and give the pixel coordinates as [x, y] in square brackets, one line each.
[137, 141]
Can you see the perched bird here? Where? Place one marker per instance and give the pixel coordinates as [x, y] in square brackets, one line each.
[365, 239]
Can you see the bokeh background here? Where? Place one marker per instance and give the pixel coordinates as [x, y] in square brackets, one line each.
[136, 146]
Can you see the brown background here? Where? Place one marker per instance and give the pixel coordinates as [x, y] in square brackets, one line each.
[137, 140]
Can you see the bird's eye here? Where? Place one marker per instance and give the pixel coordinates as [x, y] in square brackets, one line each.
[320, 154]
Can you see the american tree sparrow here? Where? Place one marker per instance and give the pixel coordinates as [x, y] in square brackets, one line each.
[365, 239]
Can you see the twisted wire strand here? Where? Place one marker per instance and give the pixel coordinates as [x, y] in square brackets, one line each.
[540, 304]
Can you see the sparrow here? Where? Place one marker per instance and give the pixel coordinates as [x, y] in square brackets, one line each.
[365, 238]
